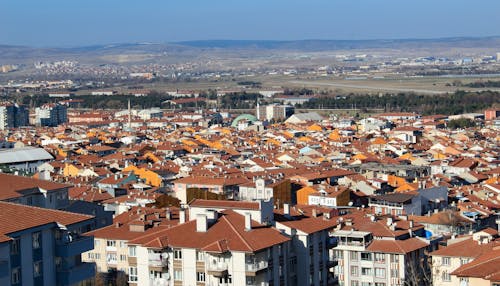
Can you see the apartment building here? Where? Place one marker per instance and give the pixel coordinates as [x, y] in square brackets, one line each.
[309, 229]
[33, 192]
[462, 262]
[111, 253]
[51, 114]
[43, 247]
[12, 116]
[378, 251]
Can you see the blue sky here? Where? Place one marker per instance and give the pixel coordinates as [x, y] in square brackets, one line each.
[88, 22]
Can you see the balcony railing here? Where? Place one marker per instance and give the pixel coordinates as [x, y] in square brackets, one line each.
[73, 246]
[217, 269]
[256, 266]
[158, 259]
[76, 274]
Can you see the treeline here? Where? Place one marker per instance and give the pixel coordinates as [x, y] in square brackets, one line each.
[483, 84]
[447, 104]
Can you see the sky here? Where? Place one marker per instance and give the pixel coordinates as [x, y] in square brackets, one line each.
[70, 23]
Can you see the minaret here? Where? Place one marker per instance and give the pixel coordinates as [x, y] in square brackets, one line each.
[129, 116]
[258, 110]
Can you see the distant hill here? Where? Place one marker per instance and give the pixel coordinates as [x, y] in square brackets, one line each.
[320, 45]
[178, 51]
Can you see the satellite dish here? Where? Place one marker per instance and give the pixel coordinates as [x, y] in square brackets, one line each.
[350, 204]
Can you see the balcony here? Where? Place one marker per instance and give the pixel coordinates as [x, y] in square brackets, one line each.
[252, 269]
[74, 246]
[160, 281]
[332, 261]
[158, 259]
[76, 274]
[217, 269]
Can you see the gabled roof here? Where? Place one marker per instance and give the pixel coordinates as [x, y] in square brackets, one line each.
[11, 186]
[14, 217]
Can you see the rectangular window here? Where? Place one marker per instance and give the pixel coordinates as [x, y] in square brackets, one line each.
[123, 257]
[177, 254]
[394, 273]
[36, 238]
[111, 258]
[354, 283]
[464, 281]
[16, 275]
[380, 272]
[354, 255]
[178, 275]
[446, 276]
[379, 257]
[366, 256]
[445, 260]
[200, 276]
[123, 244]
[394, 258]
[14, 246]
[379, 284]
[366, 271]
[354, 270]
[111, 243]
[132, 274]
[200, 256]
[37, 269]
[464, 261]
[131, 251]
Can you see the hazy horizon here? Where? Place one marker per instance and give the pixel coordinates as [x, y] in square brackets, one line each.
[79, 23]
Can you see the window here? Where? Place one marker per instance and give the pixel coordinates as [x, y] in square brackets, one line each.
[178, 275]
[132, 274]
[354, 255]
[354, 270]
[123, 244]
[14, 246]
[394, 258]
[380, 272]
[16, 275]
[445, 261]
[366, 271]
[96, 242]
[97, 256]
[37, 269]
[354, 283]
[380, 257]
[379, 284]
[131, 251]
[366, 256]
[111, 257]
[200, 256]
[29, 201]
[36, 238]
[225, 280]
[464, 261]
[123, 257]
[200, 276]
[177, 254]
[111, 243]
[446, 276]
[464, 281]
[394, 273]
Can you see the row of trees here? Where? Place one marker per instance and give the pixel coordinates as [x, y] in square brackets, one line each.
[455, 103]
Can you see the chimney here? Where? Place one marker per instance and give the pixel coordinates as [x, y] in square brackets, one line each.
[411, 224]
[373, 218]
[201, 223]
[286, 209]
[314, 213]
[248, 221]
[389, 221]
[182, 216]
[168, 214]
